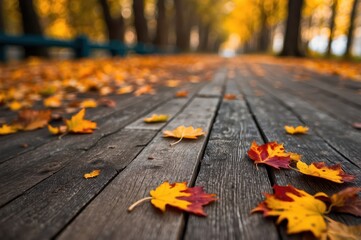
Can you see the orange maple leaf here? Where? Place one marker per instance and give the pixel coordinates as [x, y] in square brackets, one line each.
[147, 89]
[180, 196]
[272, 154]
[92, 174]
[184, 132]
[229, 96]
[319, 169]
[296, 130]
[78, 124]
[303, 211]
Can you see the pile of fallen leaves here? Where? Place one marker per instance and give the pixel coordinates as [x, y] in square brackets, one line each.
[42, 91]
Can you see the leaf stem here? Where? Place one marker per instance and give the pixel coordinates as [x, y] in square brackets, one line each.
[178, 140]
[138, 202]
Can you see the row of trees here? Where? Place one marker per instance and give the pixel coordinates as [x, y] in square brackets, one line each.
[175, 22]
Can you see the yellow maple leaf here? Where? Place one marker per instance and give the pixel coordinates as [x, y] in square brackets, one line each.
[172, 83]
[319, 169]
[184, 132]
[156, 118]
[92, 174]
[53, 101]
[303, 211]
[296, 130]
[15, 105]
[125, 89]
[78, 124]
[180, 196]
[88, 103]
[7, 129]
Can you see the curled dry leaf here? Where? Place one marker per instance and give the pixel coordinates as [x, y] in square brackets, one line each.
[155, 118]
[296, 130]
[272, 154]
[92, 174]
[180, 196]
[340, 231]
[229, 96]
[320, 169]
[107, 102]
[7, 129]
[184, 132]
[303, 211]
[182, 93]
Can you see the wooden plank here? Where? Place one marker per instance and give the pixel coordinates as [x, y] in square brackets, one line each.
[44, 161]
[340, 136]
[271, 117]
[215, 87]
[45, 209]
[157, 163]
[333, 106]
[227, 171]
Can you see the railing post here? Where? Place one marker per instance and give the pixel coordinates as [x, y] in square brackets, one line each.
[2, 48]
[82, 48]
[117, 48]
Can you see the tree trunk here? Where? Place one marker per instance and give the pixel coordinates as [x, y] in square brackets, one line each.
[291, 43]
[332, 27]
[203, 31]
[115, 26]
[2, 24]
[31, 25]
[140, 23]
[351, 29]
[183, 26]
[161, 35]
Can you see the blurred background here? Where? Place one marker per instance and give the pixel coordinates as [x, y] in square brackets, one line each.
[320, 28]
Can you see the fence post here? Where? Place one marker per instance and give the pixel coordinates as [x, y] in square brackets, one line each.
[81, 48]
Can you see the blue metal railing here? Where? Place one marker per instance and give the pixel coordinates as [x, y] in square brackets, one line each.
[81, 46]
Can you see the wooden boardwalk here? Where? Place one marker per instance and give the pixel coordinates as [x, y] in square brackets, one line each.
[43, 193]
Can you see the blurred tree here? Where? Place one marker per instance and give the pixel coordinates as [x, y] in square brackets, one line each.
[291, 43]
[332, 26]
[161, 34]
[351, 29]
[115, 26]
[184, 19]
[2, 24]
[140, 22]
[31, 25]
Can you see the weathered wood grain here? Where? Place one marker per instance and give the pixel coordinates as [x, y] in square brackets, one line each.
[45, 209]
[44, 161]
[271, 117]
[227, 171]
[215, 87]
[158, 162]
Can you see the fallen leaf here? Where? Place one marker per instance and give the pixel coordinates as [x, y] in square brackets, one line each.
[15, 105]
[319, 169]
[182, 93]
[53, 101]
[29, 119]
[88, 103]
[272, 154]
[303, 211]
[184, 132]
[340, 231]
[92, 174]
[180, 196]
[229, 96]
[105, 91]
[296, 130]
[172, 83]
[57, 130]
[155, 118]
[357, 125]
[125, 89]
[147, 89]
[7, 129]
[77, 123]
[107, 102]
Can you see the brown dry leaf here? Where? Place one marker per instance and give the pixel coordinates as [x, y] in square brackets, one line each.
[340, 231]
[92, 174]
[107, 102]
[32, 119]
